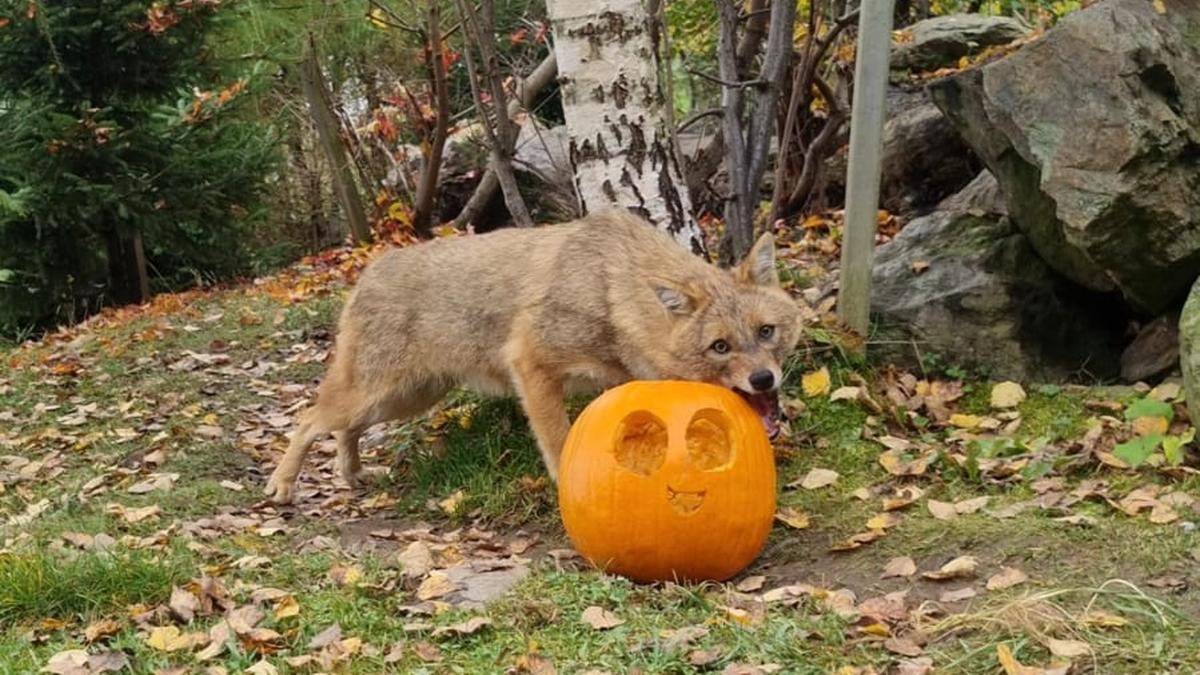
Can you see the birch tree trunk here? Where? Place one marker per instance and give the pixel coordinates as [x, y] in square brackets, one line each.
[618, 115]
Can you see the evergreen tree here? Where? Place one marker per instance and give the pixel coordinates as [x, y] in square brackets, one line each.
[123, 161]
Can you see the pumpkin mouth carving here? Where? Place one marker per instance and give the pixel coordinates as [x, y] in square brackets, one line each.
[685, 502]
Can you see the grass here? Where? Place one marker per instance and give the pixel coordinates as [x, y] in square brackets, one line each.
[480, 448]
[43, 584]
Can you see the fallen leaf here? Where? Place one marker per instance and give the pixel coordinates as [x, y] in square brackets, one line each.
[918, 666]
[1166, 392]
[1068, 649]
[902, 646]
[451, 504]
[1007, 577]
[263, 667]
[600, 619]
[1150, 426]
[963, 421]
[428, 652]
[345, 575]
[704, 657]
[751, 584]
[326, 637]
[183, 604]
[845, 394]
[468, 627]
[1007, 395]
[436, 585]
[416, 559]
[963, 566]
[815, 383]
[958, 595]
[902, 566]
[68, 662]
[818, 478]
[941, 510]
[170, 639]
[970, 505]
[858, 540]
[898, 463]
[286, 607]
[1101, 619]
[903, 497]
[219, 636]
[103, 628]
[884, 521]
[792, 517]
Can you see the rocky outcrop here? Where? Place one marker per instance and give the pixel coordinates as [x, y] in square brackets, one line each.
[1189, 351]
[964, 285]
[924, 158]
[941, 41]
[1093, 132]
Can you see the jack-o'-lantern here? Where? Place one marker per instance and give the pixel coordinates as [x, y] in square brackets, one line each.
[667, 480]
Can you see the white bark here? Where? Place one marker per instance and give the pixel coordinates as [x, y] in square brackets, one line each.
[617, 115]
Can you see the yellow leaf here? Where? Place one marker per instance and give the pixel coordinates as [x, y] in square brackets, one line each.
[964, 421]
[883, 521]
[816, 383]
[435, 585]
[287, 606]
[1102, 619]
[1145, 426]
[1007, 395]
[450, 504]
[1159, 6]
[792, 517]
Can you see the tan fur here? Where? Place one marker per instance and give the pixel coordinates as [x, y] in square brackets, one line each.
[534, 311]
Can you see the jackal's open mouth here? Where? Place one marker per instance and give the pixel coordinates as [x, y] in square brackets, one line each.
[766, 404]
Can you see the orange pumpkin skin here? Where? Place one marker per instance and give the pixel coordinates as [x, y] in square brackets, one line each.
[668, 480]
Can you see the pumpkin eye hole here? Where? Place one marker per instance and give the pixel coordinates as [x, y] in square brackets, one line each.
[708, 444]
[641, 444]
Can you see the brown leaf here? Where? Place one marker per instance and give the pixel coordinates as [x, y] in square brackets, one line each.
[219, 636]
[326, 637]
[468, 627]
[600, 619]
[1068, 649]
[970, 505]
[427, 652]
[902, 646]
[436, 585]
[899, 464]
[818, 478]
[958, 595]
[903, 497]
[68, 662]
[902, 566]
[961, 567]
[183, 604]
[941, 510]
[858, 540]
[792, 517]
[103, 628]
[919, 666]
[415, 560]
[1007, 577]
[243, 619]
[884, 521]
[704, 657]
[751, 584]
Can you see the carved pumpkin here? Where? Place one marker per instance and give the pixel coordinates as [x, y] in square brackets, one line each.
[668, 480]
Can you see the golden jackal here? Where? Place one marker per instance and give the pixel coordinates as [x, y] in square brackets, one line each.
[602, 300]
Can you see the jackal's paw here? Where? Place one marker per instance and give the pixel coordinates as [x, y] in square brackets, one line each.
[280, 489]
[361, 475]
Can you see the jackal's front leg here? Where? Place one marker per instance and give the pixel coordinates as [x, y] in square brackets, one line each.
[542, 395]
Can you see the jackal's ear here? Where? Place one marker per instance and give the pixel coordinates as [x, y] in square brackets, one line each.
[759, 265]
[679, 299]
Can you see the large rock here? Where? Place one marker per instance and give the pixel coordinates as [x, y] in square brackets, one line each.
[1094, 134]
[1189, 351]
[924, 157]
[964, 285]
[941, 41]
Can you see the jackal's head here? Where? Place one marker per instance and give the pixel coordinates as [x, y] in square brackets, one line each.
[734, 328]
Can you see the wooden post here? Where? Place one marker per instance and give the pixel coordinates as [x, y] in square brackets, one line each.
[862, 176]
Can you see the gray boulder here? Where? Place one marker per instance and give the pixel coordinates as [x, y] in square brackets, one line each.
[1189, 351]
[924, 157]
[964, 285]
[942, 40]
[1093, 132]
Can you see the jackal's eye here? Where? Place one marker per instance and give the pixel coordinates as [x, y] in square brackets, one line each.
[766, 332]
[720, 347]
